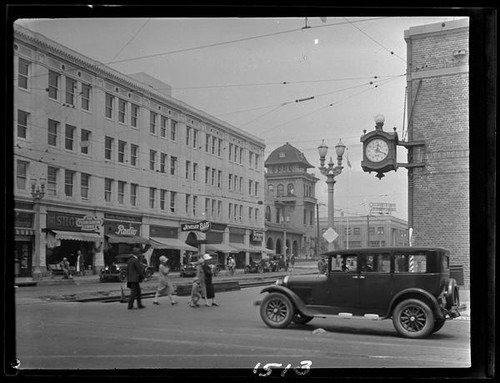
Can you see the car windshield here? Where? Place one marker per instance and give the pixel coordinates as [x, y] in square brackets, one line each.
[122, 259]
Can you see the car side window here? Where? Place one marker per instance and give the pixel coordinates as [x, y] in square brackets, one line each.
[345, 263]
[379, 263]
[410, 263]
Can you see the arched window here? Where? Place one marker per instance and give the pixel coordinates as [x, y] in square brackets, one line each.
[280, 190]
[271, 188]
[289, 189]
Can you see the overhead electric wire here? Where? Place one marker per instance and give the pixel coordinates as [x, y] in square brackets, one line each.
[128, 43]
[236, 41]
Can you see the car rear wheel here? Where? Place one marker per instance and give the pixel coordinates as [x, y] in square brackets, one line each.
[438, 325]
[301, 319]
[276, 310]
[122, 276]
[247, 269]
[413, 318]
[260, 269]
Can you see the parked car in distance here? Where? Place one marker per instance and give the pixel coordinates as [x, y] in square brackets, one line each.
[189, 269]
[411, 285]
[117, 271]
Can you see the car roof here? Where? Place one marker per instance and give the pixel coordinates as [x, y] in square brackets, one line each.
[368, 250]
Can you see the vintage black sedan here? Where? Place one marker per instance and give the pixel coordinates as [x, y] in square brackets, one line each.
[410, 285]
[117, 271]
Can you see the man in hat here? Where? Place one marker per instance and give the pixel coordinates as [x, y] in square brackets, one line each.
[65, 268]
[135, 275]
[206, 276]
[165, 286]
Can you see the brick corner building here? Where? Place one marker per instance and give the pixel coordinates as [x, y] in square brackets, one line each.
[438, 115]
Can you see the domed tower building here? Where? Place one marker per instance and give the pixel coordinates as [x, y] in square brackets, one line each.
[290, 203]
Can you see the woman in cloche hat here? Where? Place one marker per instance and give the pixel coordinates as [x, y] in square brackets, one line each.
[165, 286]
[206, 275]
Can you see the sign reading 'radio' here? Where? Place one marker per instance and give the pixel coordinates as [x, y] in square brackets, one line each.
[202, 226]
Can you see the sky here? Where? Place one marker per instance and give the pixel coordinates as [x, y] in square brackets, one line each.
[295, 80]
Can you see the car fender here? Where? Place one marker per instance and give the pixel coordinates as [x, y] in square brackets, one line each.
[297, 302]
[416, 293]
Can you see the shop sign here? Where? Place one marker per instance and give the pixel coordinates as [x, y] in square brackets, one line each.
[202, 226]
[89, 223]
[257, 236]
[64, 221]
[24, 219]
[127, 229]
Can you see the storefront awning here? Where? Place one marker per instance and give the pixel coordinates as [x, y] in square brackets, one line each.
[170, 243]
[241, 247]
[220, 247]
[112, 238]
[76, 236]
[260, 249]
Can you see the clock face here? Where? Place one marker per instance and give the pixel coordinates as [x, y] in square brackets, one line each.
[377, 150]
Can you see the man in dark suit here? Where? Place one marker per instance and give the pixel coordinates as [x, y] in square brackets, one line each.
[135, 275]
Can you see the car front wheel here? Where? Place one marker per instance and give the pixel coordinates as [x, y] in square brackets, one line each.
[413, 318]
[277, 310]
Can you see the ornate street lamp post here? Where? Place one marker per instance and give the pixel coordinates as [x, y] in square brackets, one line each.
[37, 193]
[331, 172]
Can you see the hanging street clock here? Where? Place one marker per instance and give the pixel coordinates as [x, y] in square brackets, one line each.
[379, 149]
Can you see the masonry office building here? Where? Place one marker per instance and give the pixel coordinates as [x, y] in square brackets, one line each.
[122, 163]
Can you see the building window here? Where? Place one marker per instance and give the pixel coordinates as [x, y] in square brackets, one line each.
[195, 138]
[188, 135]
[356, 231]
[230, 152]
[84, 186]
[163, 162]
[219, 147]
[250, 214]
[70, 91]
[22, 124]
[187, 202]
[256, 187]
[188, 169]
[85, 97]
[152, 197]
[152, 160]
[68, 182]
[195, 203]
[250, 187]
[53, 84]
[122, 110]
[23, 69]
[380, 230]
[108, 186]
[214, 205]
[52, 181]
[195, 171]
[121, 192]
[163, 127]
[173, 196]
[121, 151]
[173, 165]
[134, 115]
[207, 174]
[163, 197]
[257, 159]
[219, 178]
[219, 209]
[212, 178]
[133, 194]
[108, 110]
[85, 141]
[134, 150]
[70, 137]
[22, 174]
[268, 213]
[290, 190]
[108, 148]
[230, 213]
[152, 122]
[52, 132]
[214, 144]
[280, 190]
[207, 142]
[173, 130]
[230, 182]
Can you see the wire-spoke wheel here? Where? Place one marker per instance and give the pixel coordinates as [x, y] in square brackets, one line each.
[276, 310]
[413, 318]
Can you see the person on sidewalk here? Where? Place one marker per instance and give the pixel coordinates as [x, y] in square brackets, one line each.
[80, 264]
[65, 268]
[195, 293]
[209, 287]
[165, 286]
[135, 275]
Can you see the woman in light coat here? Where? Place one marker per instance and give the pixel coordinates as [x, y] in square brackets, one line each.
[165, 286]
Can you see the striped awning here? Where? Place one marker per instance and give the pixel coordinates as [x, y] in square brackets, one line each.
[112, 238]
[221, 247]
[77, 236]
[170, 243]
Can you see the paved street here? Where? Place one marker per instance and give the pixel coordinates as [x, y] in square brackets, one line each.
[54, 334]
